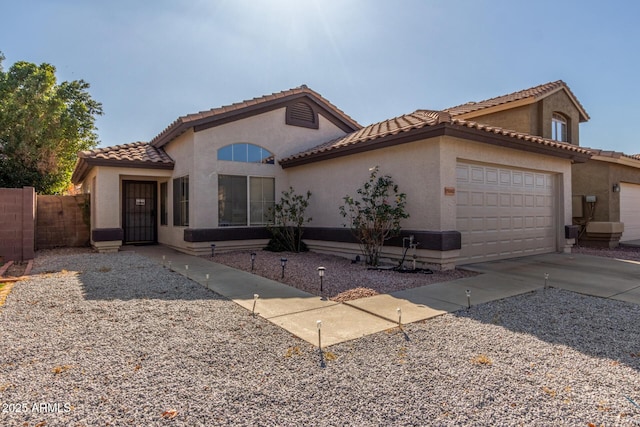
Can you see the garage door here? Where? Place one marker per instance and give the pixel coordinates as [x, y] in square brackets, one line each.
[630, 211]
[504, 213]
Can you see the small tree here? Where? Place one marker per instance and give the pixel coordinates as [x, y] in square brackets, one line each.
[288, 221]
[375, 214]
[43, 124]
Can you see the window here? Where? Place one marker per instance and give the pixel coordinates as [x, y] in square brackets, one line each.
[247, 153]
[244, 200]
[559, 127]
[181, 201]
[164, 193]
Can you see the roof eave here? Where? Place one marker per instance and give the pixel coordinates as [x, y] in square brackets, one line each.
[181, 125]
[84, 166]
[447, 129]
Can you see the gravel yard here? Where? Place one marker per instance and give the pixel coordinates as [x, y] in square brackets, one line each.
[343, 280]
[114, 339]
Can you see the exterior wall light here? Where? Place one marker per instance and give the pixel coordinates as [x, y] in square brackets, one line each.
[616, 188]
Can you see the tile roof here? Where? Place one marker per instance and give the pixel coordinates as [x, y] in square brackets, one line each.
[615, 155]
[139, 152]
[183, 123]
[535, 93]
[135, 154]
[412, 123]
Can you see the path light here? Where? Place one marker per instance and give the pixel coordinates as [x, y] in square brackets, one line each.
[468, 292]
[319, 326]
[213, 249]
[321, 274]
[186, 269]
[170, 266]
[283, 263]
[255, 299]
[253, 259]
[163, 259]
[546, 280]
[206, 276]
[399, 316]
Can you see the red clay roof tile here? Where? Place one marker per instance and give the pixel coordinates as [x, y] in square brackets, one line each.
[417, 120]
[181, 124]
[535, 92]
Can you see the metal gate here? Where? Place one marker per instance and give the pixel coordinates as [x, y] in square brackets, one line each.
[139, 211]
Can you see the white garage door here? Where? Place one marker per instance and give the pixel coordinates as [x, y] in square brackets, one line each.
[504, 213]
[630, 211]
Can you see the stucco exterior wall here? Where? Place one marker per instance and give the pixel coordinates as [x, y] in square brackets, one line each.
[422, 170]
[593, 178]
[559, 102]
[266, 130]
[596, 177]
[522, 119]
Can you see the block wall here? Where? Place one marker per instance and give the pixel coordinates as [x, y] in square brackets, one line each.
[62, 221]
[17, 223]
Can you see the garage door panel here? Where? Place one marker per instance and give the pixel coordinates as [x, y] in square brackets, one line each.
[630, 211]
[504, 213]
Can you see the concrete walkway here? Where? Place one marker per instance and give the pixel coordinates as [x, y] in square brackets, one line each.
[298, 311]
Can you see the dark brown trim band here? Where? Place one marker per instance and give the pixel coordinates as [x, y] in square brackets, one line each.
[107, 234]
[430, 240]
[221, 234]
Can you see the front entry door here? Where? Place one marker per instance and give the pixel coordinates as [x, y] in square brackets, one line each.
[139, 212]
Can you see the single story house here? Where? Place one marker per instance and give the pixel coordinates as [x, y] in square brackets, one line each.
[484, 181]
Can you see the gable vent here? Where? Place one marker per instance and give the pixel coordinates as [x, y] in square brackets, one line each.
[301, 114]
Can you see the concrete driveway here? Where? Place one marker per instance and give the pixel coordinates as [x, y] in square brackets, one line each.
[585, 274]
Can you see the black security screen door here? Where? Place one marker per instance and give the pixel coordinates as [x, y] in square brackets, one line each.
[139, 212]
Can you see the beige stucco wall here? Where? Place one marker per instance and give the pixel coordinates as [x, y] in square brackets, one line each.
[106, 191]
[268, 131]
[422, 170]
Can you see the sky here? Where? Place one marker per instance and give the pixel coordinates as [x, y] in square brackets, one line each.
[151, 61]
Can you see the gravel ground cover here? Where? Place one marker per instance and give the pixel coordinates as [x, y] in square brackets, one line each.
[343, 280]
[114, 339]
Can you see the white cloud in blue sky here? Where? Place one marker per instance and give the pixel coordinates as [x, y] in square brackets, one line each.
[149, 62]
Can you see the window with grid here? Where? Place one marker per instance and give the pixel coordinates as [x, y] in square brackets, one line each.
[244, 200]
[559, 128]
[181, 201]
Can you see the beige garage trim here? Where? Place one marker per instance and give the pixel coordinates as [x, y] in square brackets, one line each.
[630, 211]
[504, 212]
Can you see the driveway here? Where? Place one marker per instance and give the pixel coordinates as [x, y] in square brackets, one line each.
[590, 275]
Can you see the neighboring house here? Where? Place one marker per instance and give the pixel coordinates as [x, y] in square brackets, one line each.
[606, 192]
[484, 181]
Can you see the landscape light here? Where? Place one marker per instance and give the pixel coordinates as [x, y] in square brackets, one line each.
[321, 274]
[255, 299]
[283, 263]
[253, 259]
[213, 248]
[468, 292]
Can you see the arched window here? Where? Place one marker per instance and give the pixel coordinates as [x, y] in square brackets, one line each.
[302, 114]
[559, 127]
[244, 152]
